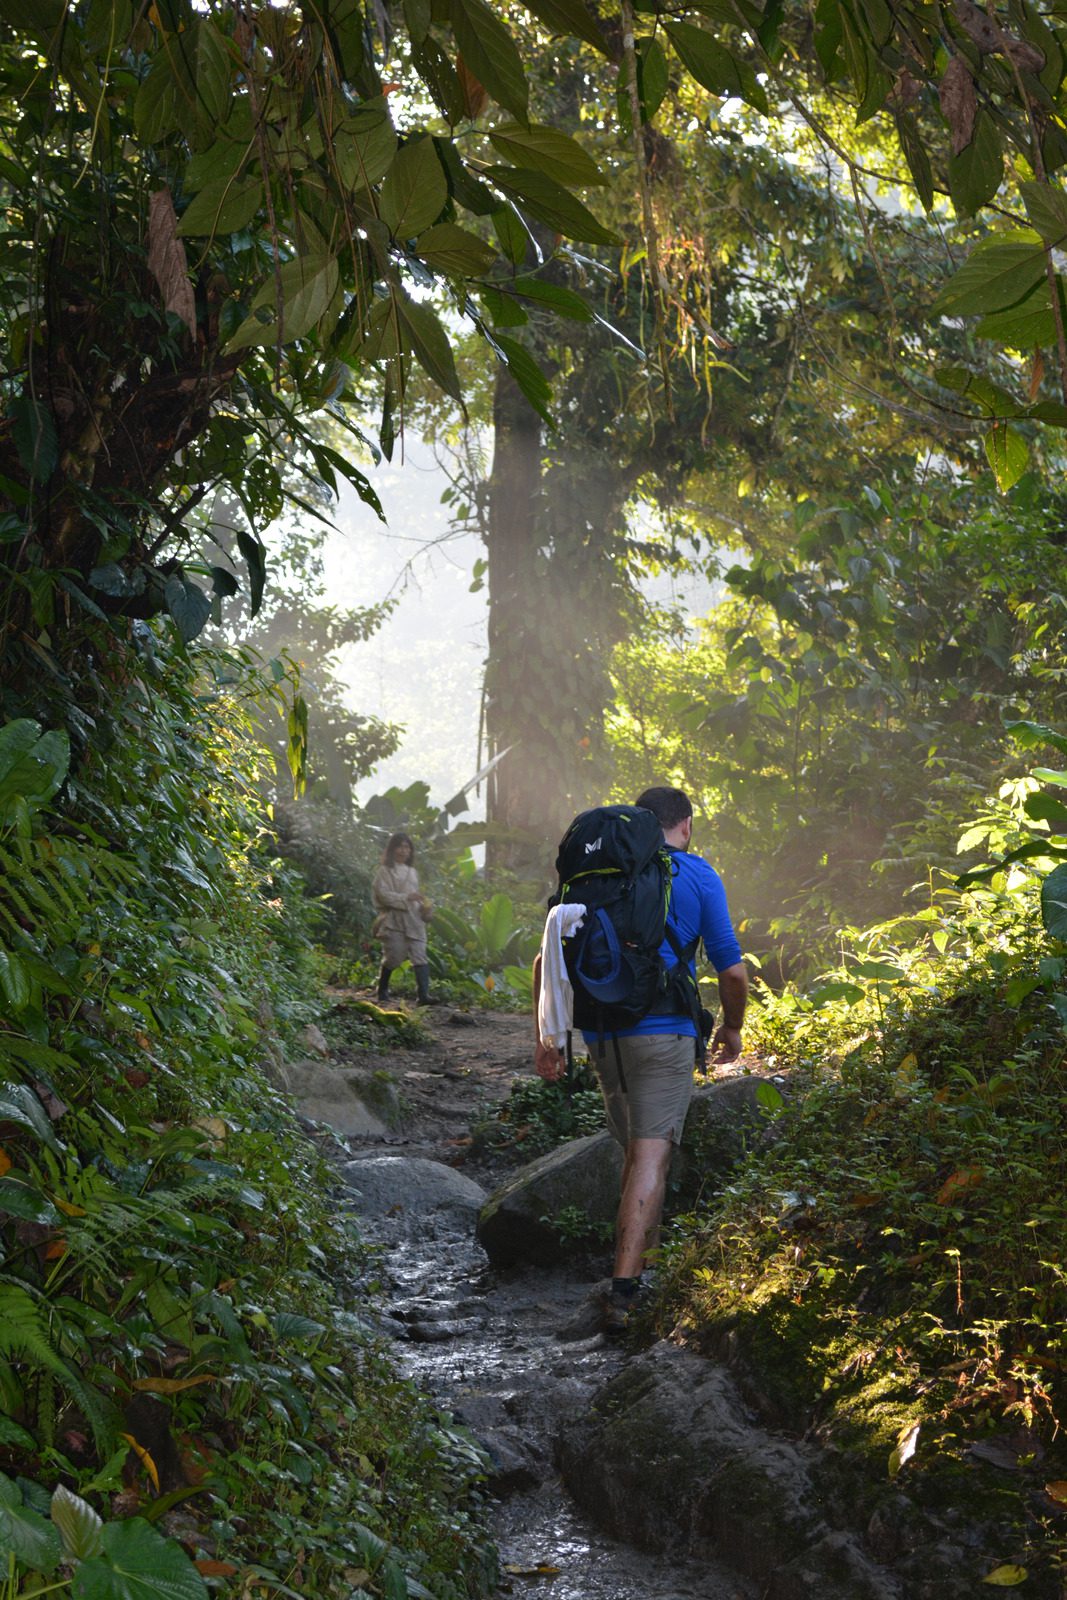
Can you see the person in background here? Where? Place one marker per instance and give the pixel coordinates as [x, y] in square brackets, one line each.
[403, 912]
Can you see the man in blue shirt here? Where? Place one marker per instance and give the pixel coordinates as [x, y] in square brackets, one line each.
[646, 1072]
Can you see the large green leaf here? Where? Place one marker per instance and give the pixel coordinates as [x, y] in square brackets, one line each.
[307, 286]
[497, 922]
[429, 341]
[214, 67]
[996, 274]
[364, 145]
[155, 110]
[491, 54]
[565, 301]
[527, 374]
[913, 145]
[975, 386]
[255, 555]
[137, 1563]
[79, 1525]
[1007, 453]
[569, 17]
[448, 248]
[546, 150]
[1032, 735]
[1054, 903]
[551, 203]
[33, 764]
[713, 66]
[19, 1104]
[224, 205]
[415, 191]
[1046, 206]
[33, 429]
[188, 605]
[975, 175]
[1027, 324]
[22, 1200]
[25, 1534]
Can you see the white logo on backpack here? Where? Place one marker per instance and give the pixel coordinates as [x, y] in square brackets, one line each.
[594, 846]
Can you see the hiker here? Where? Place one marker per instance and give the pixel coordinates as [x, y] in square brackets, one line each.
[403, 913]
[646, 1069]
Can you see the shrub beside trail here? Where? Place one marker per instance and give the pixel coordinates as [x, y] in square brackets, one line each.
[188, 1390]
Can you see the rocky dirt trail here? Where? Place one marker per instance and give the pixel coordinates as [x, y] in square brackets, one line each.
[484, 1342]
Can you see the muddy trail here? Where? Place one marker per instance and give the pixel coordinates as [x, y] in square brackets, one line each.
[485, 1343]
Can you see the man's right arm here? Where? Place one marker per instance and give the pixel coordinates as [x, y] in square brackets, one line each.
[733, 996]
[549, 1063]
[724, 952]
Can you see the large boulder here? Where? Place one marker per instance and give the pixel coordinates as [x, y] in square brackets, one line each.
[526, 1219]
[537, 1215]
[669, 1459]
[412, 1189]
[727, 1116]
[356, 1102]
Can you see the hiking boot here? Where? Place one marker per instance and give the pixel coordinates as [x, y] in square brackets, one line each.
[603, 1311]
[615, 1313]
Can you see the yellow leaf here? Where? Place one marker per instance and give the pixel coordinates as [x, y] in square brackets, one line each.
[490, 983]
[909, 1438]
[143, 1457]
[1006, 1577]
[65, 1206]
[905, 1076]
[171, 1385]
[1057, 1491]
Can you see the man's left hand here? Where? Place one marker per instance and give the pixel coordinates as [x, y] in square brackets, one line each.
[726, 1045]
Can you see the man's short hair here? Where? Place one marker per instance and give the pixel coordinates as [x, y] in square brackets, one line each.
[671, 806]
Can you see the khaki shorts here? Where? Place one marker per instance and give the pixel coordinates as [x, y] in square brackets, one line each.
[657, 1070]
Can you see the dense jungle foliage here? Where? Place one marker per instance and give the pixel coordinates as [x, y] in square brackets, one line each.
[189, 1391]
[769, 293]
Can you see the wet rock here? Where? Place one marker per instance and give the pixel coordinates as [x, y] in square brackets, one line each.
[314, 1040]
[668, 1458]
[512, 1467]
[412, 1187]
[355, 1102]
[438, 1332]
[518, 1224]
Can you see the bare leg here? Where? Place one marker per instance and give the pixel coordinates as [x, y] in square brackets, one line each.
[644, 1182]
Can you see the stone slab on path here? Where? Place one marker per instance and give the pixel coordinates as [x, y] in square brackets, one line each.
[355, 1102]
[669, 1458]
[413, 1190]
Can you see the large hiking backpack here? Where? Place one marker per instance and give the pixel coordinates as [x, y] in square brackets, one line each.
[613, 861]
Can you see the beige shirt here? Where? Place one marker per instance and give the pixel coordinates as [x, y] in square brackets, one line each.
[390, 891]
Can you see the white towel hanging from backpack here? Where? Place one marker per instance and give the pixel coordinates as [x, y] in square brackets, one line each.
[555, 1003]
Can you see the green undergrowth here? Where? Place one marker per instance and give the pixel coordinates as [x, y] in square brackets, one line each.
[887, 1269]
[191, 1395]
[537, 1115]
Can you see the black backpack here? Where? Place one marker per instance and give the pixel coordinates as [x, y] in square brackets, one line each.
[613, 861]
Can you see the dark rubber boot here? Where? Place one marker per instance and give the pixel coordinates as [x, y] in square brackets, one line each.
[422, 985]
[383, 984]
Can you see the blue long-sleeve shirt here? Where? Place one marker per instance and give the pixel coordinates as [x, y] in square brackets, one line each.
[698, 910]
